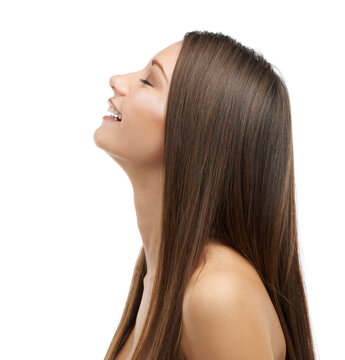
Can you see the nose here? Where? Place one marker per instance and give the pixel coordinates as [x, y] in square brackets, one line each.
[118, 85]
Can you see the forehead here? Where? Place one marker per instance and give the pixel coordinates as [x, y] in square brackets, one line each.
[168, 56]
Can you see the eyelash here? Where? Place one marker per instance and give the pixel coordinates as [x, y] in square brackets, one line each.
[145, 82]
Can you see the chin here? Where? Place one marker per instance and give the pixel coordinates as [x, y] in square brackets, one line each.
[97, 138]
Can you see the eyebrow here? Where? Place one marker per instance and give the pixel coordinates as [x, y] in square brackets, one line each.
[154, 61]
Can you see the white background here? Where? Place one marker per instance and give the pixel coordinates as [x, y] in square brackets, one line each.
[69, 237]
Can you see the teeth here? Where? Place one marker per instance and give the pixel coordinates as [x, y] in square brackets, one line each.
[116, 117]
[113, 111]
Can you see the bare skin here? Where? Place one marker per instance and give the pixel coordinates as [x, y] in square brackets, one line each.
[219, 259]
[136, 144]
[241, 277]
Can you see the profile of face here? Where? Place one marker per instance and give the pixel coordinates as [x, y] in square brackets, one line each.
[141, 98]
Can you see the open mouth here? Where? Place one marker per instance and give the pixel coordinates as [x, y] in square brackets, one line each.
[114, 114]
[116, 117]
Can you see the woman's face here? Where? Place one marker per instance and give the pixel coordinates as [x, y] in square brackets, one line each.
[138, 138]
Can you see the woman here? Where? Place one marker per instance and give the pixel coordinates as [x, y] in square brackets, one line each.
[204, 135]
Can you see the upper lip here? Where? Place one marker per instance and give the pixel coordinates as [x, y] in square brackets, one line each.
[112, 103]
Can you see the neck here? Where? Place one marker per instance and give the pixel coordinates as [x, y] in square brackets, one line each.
[147, 190]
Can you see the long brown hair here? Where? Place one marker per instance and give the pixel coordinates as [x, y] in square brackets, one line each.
[228, 175]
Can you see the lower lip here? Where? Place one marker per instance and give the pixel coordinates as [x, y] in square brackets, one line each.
[110, 119]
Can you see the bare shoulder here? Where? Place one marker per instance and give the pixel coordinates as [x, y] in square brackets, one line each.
[225, 312]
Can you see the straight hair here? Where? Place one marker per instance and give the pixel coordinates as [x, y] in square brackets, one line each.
[228, 175]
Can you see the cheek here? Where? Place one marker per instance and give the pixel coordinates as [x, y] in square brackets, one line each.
[144, 123]
[143, 105]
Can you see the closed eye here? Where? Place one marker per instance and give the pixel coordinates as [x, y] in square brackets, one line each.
[145, 82]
